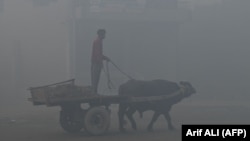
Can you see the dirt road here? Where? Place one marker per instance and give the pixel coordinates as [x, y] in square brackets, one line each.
[40, 123]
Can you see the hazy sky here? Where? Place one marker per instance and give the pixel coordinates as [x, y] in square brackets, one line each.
[206, 41]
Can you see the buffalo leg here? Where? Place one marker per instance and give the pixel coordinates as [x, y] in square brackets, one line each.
[129, 114]
[168, 118]
[155, 117]
[121, 114]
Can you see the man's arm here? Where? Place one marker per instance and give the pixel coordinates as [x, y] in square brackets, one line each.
[97, 55]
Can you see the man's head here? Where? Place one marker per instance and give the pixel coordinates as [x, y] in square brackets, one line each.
[101, 33]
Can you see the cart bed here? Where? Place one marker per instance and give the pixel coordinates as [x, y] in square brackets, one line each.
[67, 92]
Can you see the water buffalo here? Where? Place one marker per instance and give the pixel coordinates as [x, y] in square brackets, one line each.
[138, 88]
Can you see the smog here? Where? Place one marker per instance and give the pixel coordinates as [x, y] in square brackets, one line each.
[203, 42]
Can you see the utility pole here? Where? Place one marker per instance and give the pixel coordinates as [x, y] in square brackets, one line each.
[17, 69]
[1, 6]
[71, 51]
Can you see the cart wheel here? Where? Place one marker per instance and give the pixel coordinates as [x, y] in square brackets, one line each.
[96, 120]
[69, 124]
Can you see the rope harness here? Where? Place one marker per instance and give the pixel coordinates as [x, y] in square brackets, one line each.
[109, 83]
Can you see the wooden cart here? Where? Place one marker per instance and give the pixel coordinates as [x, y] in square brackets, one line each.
[95, 117]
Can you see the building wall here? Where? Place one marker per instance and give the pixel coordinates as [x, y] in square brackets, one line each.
[34, 40]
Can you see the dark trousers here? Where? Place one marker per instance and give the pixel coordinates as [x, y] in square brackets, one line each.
[95, 76]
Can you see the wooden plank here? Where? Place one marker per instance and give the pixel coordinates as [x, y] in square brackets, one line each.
[99, 99]
[71, 81]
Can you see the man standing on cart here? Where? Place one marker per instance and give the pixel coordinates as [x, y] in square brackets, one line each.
[97, 59]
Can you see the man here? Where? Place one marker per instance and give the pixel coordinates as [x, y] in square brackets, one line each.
[97, 59]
